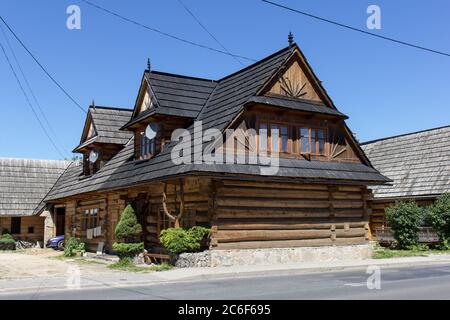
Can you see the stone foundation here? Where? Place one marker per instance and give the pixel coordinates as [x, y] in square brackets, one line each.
[192, 260]
[223, 258]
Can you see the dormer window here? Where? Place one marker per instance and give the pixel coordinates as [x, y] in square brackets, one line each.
[147, 147]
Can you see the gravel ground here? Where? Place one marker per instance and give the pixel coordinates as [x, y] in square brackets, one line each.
[42, 263]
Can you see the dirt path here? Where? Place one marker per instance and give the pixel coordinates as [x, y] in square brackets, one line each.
[41, 263]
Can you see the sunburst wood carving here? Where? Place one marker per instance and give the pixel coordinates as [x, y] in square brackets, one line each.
[294, 90]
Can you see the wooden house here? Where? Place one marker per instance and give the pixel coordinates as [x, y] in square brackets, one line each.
[23, 185]
[417, 163]
[318, 195]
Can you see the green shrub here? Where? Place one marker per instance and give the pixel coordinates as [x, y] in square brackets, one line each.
[198, 233]
[6, 239]
[405, 219]
[128, 228]
[177, 240]
[438, 215]
[127, 250]
[72, 246]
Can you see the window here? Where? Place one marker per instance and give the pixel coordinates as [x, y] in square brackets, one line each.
[292, 139]
[305, 146]
[147, 148]
[263, 137]
[274, 134]
[30, 230]
[90, 218]
[284, 139]
[15, 225]
[312, 140]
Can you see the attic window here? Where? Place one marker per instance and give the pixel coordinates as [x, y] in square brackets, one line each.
[147, 147]
[291, 139]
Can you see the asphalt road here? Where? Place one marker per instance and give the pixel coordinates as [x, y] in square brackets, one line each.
[415, 282]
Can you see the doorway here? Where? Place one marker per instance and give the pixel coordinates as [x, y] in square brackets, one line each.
[60, 217]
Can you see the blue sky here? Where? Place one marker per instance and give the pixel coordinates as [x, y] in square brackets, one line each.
[386, 89]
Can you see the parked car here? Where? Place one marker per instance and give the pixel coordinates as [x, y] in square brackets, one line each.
[56, 243]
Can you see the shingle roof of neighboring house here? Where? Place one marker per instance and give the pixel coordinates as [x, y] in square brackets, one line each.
[24, 183]
[224, 104]
[418, 163]
[107, 121]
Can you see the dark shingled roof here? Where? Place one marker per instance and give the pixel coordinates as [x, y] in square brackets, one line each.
[24, 183]
[176, 95]
[107, 121]
[296, 104]
[225, 102]
[418, 163]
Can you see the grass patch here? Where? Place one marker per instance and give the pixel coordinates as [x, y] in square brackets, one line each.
[128, 265]
[386, 253]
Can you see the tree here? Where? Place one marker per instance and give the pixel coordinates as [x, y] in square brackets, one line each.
[128, 228]
[128, 232]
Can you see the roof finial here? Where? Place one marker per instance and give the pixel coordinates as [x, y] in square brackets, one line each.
[149, 65]
[290, 39]
[93, 103]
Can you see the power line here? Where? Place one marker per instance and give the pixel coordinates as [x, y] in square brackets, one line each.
[31, 90]
[29, 102]
[207, 31]
[42, 67]
[164, 33]
[356, 29]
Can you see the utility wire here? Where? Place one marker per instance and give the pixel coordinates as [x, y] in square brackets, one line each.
[29, 102]
[207, 31]
[356, 29]
[31, 90]
[42, 67]
[164, 33]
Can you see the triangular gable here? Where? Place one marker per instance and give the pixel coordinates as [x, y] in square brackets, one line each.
[146, 98]
[89, 130]
[293, 82]
[297, 76]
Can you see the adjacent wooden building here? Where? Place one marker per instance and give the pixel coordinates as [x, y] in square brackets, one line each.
[318, 196]
[23, 185]
[418, 164]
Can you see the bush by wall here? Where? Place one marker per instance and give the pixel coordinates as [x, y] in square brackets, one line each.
[438, 215]
[72, 246]
[405, 219]
[7, 242]
[177, 240]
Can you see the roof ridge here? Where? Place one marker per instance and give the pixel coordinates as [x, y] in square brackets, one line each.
[403, 135]
[110, 108]
[255, 64]
[180, 76]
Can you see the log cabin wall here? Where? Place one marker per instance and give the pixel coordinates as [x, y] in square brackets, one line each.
[31, 227]
[250, 215]
[241, 214]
